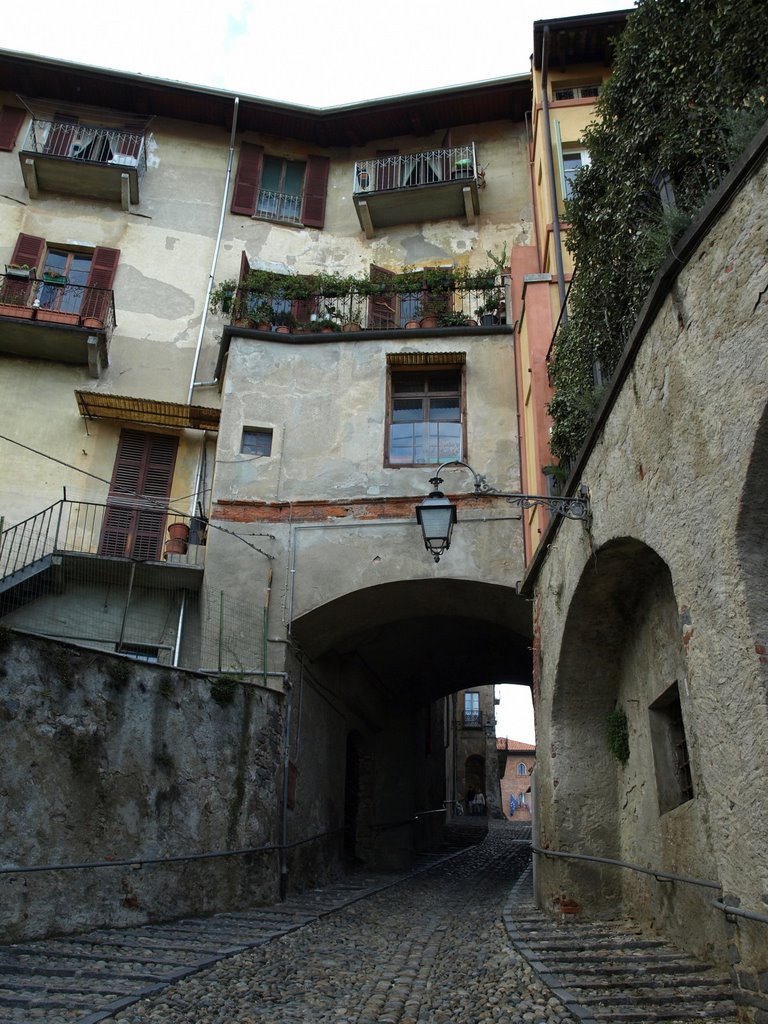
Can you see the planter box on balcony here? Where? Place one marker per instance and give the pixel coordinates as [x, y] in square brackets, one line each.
[21, 312]
[54, 316]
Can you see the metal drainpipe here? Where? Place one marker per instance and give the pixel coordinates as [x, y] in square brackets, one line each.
[551, 174]
[284, 822]
[215, 259]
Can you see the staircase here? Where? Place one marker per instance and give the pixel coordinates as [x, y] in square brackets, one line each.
[610, 971]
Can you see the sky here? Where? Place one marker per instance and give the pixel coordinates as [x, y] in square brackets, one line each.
[309, 54]
[306, 53]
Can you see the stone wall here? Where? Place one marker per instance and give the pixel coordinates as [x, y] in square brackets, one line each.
[657, 611]
[104, 760]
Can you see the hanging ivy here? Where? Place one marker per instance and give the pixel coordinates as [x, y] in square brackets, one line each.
[618, 735]
[686, 94]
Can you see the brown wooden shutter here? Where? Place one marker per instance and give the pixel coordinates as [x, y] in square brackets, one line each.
[445, 162]
[315, 191]
[28, 251]
[382, 309]
[11, 120]
[248, 178]
[103, 269]
[144, 466]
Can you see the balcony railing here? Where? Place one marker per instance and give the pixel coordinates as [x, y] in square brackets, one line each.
[404, 187]
[54, 300]
[83, 159]
[280, 206]
[379, 305]
[130, 529]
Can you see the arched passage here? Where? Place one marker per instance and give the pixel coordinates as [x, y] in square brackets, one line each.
[751, 531]
[377, 665]
[622, 651]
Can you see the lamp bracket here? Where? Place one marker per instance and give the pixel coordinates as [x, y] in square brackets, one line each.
[577, 507]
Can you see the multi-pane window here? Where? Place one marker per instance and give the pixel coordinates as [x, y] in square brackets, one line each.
[674, 781]
[61, 271]
[472, 709]
[257, 441]
[578, 92]
[425, 424]
[573, 161]
[521, 769]
[282, 186]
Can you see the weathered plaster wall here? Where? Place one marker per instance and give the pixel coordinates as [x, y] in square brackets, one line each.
[104, 759]
[657, 594]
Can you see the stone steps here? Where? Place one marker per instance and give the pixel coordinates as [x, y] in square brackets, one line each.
[89, 977]
[605, 972]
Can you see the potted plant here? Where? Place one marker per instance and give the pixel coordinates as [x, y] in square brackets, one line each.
[19, 271]
[284, 323]
[456, 318]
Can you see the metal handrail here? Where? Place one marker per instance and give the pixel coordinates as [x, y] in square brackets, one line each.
[89, 143]
[660, 876]
[409, 170]
[141, 862]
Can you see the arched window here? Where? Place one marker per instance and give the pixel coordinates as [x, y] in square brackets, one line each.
[521, 769]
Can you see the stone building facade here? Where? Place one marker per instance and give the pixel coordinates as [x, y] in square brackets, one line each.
[654, 617]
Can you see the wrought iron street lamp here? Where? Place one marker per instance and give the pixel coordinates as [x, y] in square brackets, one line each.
[437, 514]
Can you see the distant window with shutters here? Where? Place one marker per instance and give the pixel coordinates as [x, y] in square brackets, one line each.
[256, 441]
[425, 424]
[272, 187]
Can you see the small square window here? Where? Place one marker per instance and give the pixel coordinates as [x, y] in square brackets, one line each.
[256, 441]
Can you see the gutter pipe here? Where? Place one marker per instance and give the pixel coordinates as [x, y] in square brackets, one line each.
[551, 175]
[215, 259]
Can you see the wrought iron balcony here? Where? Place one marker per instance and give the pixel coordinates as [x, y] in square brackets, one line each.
[84, 160]
[51, 319]
[414, 187]
[131, 529]
[387, 303]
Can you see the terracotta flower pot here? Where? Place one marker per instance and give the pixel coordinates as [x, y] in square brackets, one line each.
[411, 325]
[55, 316]
[179, 531]
[20, 312]
[429, 321]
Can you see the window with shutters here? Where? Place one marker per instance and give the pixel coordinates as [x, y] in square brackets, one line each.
[134, 519]
[76, 282]
[425, 424]
[271, 187]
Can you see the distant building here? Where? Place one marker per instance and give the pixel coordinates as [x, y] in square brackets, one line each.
[520, 760]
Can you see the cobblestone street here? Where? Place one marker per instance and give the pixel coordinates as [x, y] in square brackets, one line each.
[430, 950]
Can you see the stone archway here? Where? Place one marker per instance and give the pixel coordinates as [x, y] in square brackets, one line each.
[751, 531]
[622, 650]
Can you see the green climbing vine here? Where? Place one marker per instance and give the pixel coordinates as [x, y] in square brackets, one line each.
[687, 93]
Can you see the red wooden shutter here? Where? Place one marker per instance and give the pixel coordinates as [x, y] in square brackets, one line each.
[103, 269]
[315, 191]
[28, 251]
[247, 179]
[143, 471]
[11, 120]
[61, 134]
[381, 308]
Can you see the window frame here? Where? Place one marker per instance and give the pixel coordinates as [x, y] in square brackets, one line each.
[266, 432]
[426, 369]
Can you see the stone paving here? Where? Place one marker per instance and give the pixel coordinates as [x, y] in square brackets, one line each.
[430, 950]
[460, 941]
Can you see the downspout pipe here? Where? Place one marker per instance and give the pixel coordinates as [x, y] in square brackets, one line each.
[215, 260]
[560, 273]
